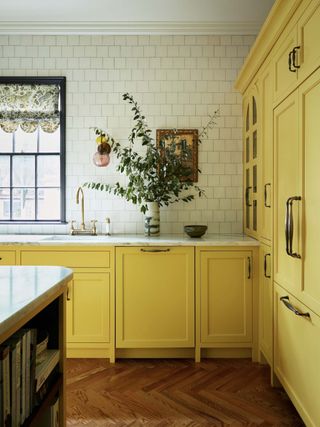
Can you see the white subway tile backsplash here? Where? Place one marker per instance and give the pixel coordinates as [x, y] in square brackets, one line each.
[179, 81]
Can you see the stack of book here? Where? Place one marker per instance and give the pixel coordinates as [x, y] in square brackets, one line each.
[23, 382]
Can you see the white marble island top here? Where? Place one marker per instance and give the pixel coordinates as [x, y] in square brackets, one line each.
[130, 240]
[23, 289]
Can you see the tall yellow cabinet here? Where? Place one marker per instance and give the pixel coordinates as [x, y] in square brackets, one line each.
[284, 65]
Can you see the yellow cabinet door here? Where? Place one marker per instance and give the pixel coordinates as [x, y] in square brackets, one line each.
[309, 93]
[88, 308]
[308, 40]
[7, 258]
[251, 150]
[284, 79]
[287, 184]
[266, 303]
[266, 157]
[225, 297]
[297, 355]
[154, 297]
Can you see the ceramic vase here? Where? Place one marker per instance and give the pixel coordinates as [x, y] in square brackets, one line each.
[152, 219]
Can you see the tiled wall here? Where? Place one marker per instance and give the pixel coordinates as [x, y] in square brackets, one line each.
[178, 81]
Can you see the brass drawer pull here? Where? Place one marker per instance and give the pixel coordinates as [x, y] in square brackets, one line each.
[289, 227]
[267, 276]
[286, 302]
[266, 205]
[155, 250]
[249, 267]
[248, 197]
[294, 57]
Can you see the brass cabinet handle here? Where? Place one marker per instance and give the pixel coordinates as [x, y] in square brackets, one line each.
[249, 267]
[289, 227]
[290, 62]
[247, 196]
[294, 57]
[286, 302]
[266, 195]
[68, 294]
[155, 250]
[267, 276]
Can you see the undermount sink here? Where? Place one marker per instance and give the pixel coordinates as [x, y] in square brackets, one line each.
[68, 237]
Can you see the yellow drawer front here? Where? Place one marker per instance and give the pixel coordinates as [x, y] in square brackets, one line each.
[297, 355]
[7, 258]
[66, 258]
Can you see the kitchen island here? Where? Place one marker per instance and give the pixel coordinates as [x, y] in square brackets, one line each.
[33, 298]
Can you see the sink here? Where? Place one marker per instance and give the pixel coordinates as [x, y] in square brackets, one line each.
[67, 237]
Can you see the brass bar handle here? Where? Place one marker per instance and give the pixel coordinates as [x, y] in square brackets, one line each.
[294, 57]
[68, 294]
[266, 205]
[249, 267]
[247, 197]
[286, 227]
[154, 250]
[290, 227]
[286, 302]
[267, 276]
[290, 62]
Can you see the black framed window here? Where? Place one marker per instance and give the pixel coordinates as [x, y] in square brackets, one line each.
[32, 152]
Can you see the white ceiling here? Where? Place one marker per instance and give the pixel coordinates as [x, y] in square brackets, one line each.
[77, 14]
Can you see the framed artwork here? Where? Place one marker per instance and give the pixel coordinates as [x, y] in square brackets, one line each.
[183, 138]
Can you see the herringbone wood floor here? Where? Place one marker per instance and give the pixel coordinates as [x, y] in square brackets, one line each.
[177, 393]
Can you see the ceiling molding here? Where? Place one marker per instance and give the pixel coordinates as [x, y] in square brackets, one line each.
[128, 28]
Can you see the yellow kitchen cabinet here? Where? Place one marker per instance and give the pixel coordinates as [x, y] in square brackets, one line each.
[88, 308]
[7, 257]
[90, 299]
[297, 198]
[297, 354]
[251, 140]
[265, 303]
[265, 84]
[155, 297]
[225, 295]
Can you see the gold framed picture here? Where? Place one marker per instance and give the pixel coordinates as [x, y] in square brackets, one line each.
[183, 139]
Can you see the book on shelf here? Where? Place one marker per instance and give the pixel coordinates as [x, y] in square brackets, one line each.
[44, 369]
[15, 379]
[4, 385]
[51, 416]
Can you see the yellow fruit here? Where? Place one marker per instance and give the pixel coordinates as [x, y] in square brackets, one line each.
[101, 139]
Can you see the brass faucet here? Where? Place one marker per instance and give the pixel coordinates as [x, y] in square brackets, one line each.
[80, 191]
[82, 229]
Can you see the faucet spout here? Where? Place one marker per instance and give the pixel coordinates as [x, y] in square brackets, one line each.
[80, 192]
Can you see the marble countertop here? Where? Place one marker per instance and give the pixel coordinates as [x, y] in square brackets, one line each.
[129, 240]
[23, 289]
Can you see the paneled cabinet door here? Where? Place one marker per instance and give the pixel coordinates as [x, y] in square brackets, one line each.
[297, 354]
[265, 303]
[88, 308]
[251, 139]
[226, 297]
[7, 258]
[266, 157]
[155, 297]
[308, 40]
[287, 190]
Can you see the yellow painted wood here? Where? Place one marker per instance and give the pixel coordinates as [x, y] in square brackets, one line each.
[7, 257]
[287, 270]
[154, 297]
[308, 39]
[266, 304]
[284, 80]
[297, 355]
[88, 308]
[265, 84]
[251, 153]
[309, 94]
[225, 297]
[68, 258]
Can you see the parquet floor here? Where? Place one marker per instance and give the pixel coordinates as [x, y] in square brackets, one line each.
[177, 393]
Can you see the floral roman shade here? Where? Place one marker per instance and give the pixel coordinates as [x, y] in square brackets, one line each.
[29, 106]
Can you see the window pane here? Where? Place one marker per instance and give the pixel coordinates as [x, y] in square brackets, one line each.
[23, 171]
[4, 204]
[25, 142]
[48, 203]
[5, 142]
[49, 142]
[23, 203]
[4, 171]
[48, 171]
